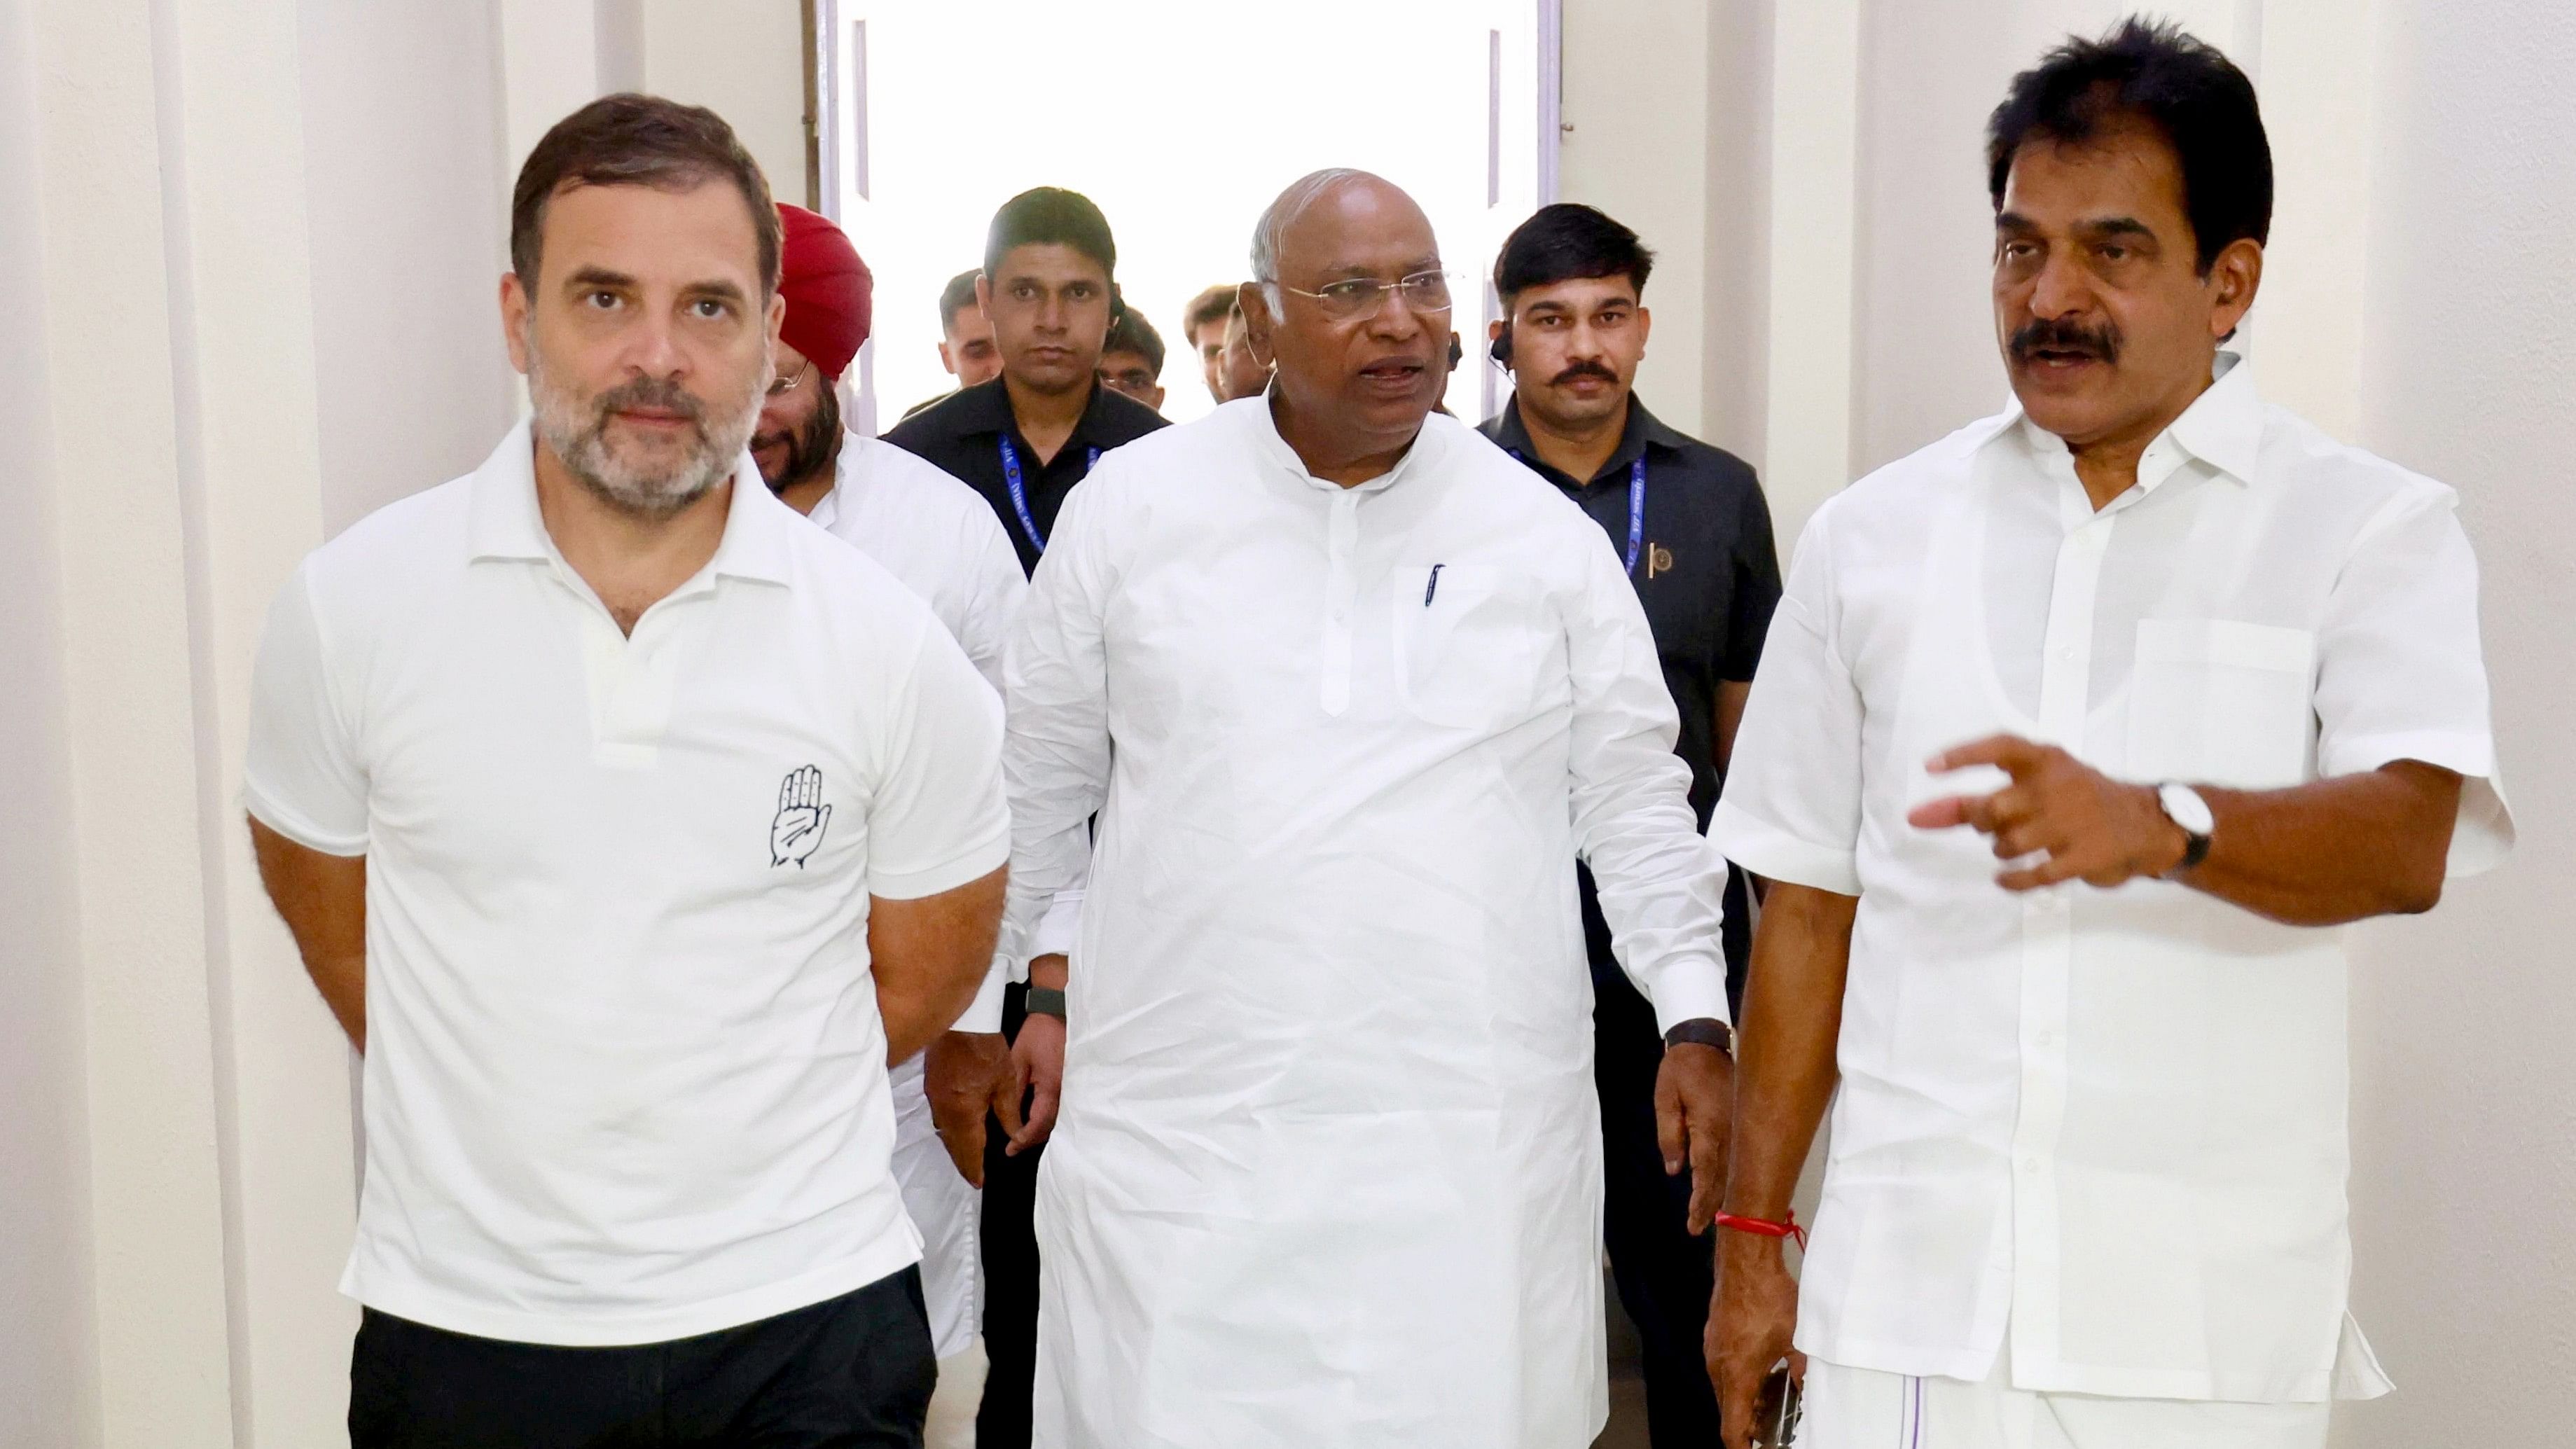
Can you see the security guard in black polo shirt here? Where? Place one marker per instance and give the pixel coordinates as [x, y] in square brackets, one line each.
[1692, 524]
[1023, 440]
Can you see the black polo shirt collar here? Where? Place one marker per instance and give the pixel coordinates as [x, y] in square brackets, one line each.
[961, 435]
[985, 410]
[1643, 430]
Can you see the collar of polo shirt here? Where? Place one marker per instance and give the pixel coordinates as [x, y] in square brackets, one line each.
[505, 523]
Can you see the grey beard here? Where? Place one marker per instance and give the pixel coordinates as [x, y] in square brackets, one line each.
[574, 429]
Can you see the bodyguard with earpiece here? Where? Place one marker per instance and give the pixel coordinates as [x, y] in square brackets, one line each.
[1690, 523]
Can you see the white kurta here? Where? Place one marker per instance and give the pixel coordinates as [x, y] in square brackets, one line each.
[2110, 1122]
[1327, 1171]
[941, 539]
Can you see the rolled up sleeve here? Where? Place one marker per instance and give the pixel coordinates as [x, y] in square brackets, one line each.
[2400, 672]
[1791, 808]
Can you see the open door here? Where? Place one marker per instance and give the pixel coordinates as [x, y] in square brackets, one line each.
[1182, 119]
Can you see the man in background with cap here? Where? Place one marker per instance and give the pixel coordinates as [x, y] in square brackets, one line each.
[932, 533]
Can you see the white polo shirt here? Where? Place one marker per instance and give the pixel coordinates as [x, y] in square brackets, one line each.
[2107, 1125]
[625, 1076]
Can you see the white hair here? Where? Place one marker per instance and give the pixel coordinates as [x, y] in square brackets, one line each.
[1282, 213]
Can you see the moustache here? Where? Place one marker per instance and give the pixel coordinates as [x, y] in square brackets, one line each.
[1583, 369]
[660, 394]
[2051, 335]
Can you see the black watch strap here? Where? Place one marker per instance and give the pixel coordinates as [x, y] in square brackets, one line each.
[1046, 1001]
[1702, 1031]
[2195, 849]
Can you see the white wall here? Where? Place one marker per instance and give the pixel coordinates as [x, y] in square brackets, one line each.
[48, 1344]
[2465, 1104]
[409, 227]
[1614, 58]
[744, 60]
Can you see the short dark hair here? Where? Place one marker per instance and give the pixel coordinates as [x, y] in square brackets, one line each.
[636, 140]
[2160, 76]
[1566, 242]
[1050, 215]
[1211, 305]
[1134, 334]
[956, 297]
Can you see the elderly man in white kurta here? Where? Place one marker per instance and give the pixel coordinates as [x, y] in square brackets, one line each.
[1350, 690]
[2074, 733]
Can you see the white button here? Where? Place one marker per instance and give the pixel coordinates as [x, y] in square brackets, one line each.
[2065, 651]
[2044, 1039]
[1341, 616]
[2030, 1166]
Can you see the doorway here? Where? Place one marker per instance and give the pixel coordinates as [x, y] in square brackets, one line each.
[1182, 119]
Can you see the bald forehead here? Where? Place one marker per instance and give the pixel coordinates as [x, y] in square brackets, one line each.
[1361, 226]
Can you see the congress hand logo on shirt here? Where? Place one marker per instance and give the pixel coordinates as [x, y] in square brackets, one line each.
[802, 818]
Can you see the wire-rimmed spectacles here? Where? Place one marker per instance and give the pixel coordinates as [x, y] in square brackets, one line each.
[781, 387]
[1355, 299]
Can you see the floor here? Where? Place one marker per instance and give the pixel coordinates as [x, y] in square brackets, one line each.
[1627, 1427]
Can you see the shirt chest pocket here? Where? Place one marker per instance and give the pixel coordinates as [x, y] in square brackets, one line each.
[2220, 702]
[1467, 644]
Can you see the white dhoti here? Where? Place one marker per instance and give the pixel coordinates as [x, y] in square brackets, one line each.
[1853, 1408]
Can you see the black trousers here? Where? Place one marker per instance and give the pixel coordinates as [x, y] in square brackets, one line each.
[1010, 1250]
[1663, 1274]
[853, 1372]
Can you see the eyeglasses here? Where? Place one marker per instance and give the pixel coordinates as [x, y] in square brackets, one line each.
[1356, 299]
[781, 387]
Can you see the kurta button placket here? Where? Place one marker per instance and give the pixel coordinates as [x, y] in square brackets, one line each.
[1342, 536]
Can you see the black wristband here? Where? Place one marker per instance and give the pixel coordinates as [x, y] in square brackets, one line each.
[1046, 1001]
[1702, 1031]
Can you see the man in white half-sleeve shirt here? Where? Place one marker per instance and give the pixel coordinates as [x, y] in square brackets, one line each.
[941, 539]
[1350, 690]
[2077, 735]
[630, 826]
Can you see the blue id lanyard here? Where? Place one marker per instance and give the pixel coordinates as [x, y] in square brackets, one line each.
[1091, 460]
[1636, 508]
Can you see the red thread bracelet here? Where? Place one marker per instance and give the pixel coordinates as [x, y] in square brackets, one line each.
[1765, 1228]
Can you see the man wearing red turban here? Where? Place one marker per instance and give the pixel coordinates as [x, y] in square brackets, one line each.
[829, 304]
[941, 539]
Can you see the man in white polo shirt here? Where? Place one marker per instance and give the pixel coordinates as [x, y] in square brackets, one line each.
[941, 539]
[2075, 735]
[630, 826]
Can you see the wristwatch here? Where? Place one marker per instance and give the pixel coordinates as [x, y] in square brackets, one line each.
[1703, 1031]
[2184, 807]
[1046, 1001]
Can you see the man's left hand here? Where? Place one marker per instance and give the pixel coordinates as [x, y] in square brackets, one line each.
[1694, 1111]
[961, 1073]
[2086, 825]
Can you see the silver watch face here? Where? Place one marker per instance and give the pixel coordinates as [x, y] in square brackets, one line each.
[2184, 807]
